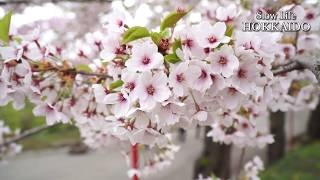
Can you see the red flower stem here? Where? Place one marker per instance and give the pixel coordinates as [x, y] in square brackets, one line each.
[134, 159]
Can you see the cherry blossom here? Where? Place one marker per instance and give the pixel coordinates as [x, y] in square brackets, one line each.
[10, 53]
[252, 168]
[112, 48]
[308, 42]
[224, 61]
[51, 113]
[152, 89]
[115, 21]
[121, 101]
[178, 79]
[227, 14]
[145, 56]
[245, 76]
[231, 97]
[198, 75]
[13, 148]
[189, 41]
[211, 36]
[130, 93]
[3, 87]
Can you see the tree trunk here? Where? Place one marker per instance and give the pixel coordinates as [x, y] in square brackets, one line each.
[276, 150]
[215, 159]
[314, 125]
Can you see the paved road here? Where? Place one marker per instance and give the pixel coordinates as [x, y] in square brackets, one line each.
[110, 165]
[99, 165]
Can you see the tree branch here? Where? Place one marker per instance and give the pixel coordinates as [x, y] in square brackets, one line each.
[93, 74]
[307, 60]
[26, 134]
[311, 61]
[73, 71]
[48, 1]
[287, 68]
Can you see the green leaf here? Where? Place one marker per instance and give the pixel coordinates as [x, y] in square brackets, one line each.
[17, 39]
[229, 30]
[246, 4]
[303, 83]
[166, 33]
[5, 27]
[83, 68]
[171, 19]
[172, 58]
[65, 93]
[156, 37]
[213, 177]
[176, 45]
[134, 33]
[115, 84]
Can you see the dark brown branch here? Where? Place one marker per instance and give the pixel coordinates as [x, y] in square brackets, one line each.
[287, 68]
[309, 60]
[93, 74]
[48, 1]
[26, 134]
[73, 71]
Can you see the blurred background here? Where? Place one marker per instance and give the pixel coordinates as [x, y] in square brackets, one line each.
[58, 153]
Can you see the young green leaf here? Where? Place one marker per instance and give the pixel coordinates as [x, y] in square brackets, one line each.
[134, 33]
[172, 58]
[83, 68]
[171, 19]
[246, 4]
[5, 27]
[165, 33]
[156, 37]
[176, 45]
[115, 84]
[229, 30]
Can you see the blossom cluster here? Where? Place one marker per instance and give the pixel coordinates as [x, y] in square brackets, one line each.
[155, 160]
[12, 148]
[138, 85]
[252, 168]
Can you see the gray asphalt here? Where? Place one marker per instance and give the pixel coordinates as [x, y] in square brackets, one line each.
[109, 164]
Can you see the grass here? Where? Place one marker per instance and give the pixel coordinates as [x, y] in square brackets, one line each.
[24, 119]
[302, 163]
[60, 135]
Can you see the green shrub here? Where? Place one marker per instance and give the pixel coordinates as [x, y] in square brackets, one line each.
[302, 163]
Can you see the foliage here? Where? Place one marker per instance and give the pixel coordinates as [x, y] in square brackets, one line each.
[135, 33]
[206, 72]
[24, 119]
[171, 20]
[5, 26]
[303, 163]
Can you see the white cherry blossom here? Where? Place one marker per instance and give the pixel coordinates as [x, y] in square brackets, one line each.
[198, 76]
[145, 56]
[189, 41]
[152, 89]
[227, 14]
[121, 101]
[224, 61]
[112, 47]
[211, 36]
[245, 77]
[178, 79]
[52, 114]
[308, 42]
[225, 82]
